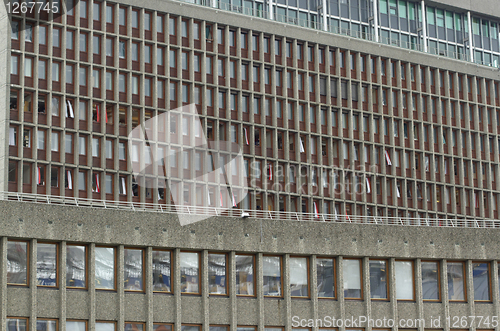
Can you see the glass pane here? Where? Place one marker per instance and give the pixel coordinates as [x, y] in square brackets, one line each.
[16, 324]
[378, 279]
[161, 271]
[46, 264]
[190, 272]
[17, 262]
[75, 326]
[481, 279]
[325, 280]
[404, 280]
[456, 283]
[430, 280]
[104, 268]
[134, 327]
[244, 274]
[217, 273]
[272, 275]
[162, 327]
[46, 325]
[133, 273]
[352, 279]
[218, 328]
[190, 328]
[105, 326]
[299, 277]
[76, 264]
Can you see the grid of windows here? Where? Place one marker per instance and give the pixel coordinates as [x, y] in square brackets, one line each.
[427, 139]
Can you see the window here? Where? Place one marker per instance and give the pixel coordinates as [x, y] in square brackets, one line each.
[190, 272]
[217, 281]
[162, 281]
[378, 279]
[299, 276]
[481, 280]
[105, 268]
[404, 280]
[325, 277]
[456, 281]
[46, 264]
[76, 266]
[17, 262]
[430, 281]
[272, 275]
[245, 282]
[352, 279]
[18, 324]
[77, 325]
[133, 269]
[130, 327]
[46, 325]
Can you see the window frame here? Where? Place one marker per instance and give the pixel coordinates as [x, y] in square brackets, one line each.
[334, 264]
[439, 280]
[143, 253]
[387, 274]
[114, 267]
[360, 278]
[199, 272]
[254, 276]
[86, 267]
[226, 281]
[464, 281]
[27, 263]
[490, 293]
[308, 266]
[413, 280]
[56, 260]
[281, 273]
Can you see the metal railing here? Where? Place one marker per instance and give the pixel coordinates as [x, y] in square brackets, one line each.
[239, 213]
[318, 25]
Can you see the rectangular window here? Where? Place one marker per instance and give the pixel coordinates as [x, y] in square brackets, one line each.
[46, 325]
[133, 269]
[217, 281]
[352, 279]
[46, 264]
[272, 276]
[456, 281]
[245, 282]
[18, 324]
[76, 266]
[481, 280]
[190, 272]
[299, 277]
[105, 262]
[378, 279]
[430, 281]
[404, 280]
[17, 262]
[325, 269]
[162, 281]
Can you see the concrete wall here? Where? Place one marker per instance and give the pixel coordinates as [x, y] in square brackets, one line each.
[144, 229]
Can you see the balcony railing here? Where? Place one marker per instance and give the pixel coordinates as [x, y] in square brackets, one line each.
[318, 25]
[239, 213]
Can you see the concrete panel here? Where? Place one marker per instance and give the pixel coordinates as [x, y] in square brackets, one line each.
[135, 307]
[247, 311]
[51, 303]
[220, 310]
[163, 308]
[19, 301]
[106, 307]
[191, 309]
[77, 304]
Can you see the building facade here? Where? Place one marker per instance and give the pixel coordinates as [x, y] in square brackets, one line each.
[382, 113]
[328, 123]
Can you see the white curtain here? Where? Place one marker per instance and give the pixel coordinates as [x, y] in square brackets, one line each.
[271, 266]
[404, 280]
[12, 136]
[298, 271]
[352, 275]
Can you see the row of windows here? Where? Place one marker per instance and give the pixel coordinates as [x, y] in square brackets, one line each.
[313, 53]
[47, 273]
